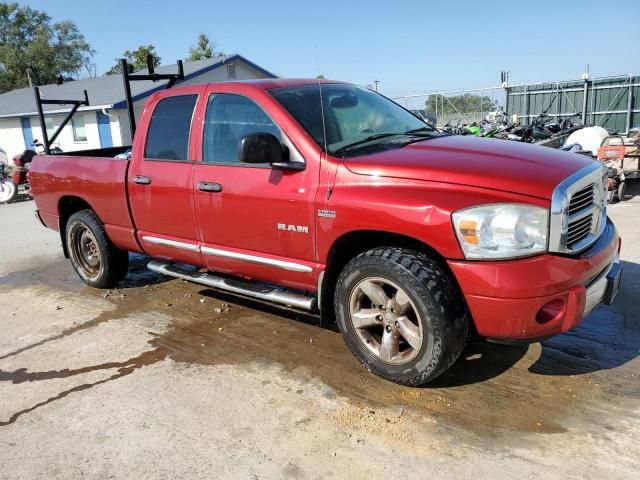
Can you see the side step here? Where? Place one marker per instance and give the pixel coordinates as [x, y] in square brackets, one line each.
[255, 290]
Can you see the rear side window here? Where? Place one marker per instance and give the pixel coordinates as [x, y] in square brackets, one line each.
[168, 135]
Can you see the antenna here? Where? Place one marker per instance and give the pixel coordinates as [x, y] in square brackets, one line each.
[324, 126]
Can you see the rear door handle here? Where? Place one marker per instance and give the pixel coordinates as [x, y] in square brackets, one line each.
[141, 180]
[209, 187]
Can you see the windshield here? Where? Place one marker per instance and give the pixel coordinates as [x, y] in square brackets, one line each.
[352, 115]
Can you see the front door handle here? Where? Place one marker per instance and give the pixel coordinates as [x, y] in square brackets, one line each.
[209, 187]
[141, 180]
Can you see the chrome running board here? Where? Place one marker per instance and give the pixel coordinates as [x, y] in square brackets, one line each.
[241, 287]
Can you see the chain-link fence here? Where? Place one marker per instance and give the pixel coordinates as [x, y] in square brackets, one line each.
[456, 106]
[610, 102]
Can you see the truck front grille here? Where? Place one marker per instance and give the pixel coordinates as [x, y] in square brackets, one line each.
[578, 210]
[579, 229]
[581, 199]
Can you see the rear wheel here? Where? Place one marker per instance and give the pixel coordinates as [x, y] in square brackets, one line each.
[622, 189]
[8, 191]
[401, 315]
[96, 260]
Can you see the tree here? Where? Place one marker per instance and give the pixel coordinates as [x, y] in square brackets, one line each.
[137, 59]
[205, 48]
[320, 77]
[30, 41]
[458, 104]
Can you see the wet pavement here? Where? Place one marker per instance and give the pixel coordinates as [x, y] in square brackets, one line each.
[529, 409]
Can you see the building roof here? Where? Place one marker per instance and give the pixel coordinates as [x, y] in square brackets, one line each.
[107, 90]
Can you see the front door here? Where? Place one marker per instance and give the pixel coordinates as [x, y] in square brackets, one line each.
[254, 221]
[161, 181]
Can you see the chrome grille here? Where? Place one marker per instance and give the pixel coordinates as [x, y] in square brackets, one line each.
[578, 210]
[581, 199]
[579, 229]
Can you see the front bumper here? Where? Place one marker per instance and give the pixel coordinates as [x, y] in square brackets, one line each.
[539, 296]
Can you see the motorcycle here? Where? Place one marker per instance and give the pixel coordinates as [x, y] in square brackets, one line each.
[8, 189]
[11, 185]
[38, 145]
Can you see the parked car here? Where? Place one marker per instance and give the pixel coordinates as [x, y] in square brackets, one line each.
[408, 237]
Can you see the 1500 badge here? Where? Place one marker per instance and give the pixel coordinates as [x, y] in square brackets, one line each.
[293, 228]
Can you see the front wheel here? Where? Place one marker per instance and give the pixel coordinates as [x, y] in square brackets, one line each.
[401, 314]
[8, 191]
[96, 260]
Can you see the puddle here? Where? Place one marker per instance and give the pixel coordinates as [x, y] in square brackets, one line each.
[493, 390]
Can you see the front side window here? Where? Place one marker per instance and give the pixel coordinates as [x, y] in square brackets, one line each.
[229, 118]
[169, 129]
[351, 114]
[79, 129]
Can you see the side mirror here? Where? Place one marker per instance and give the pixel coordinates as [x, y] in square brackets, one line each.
[266, 148]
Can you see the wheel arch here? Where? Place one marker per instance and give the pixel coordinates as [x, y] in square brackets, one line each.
[67, 206]
[352, 244]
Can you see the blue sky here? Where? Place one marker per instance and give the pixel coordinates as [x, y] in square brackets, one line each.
[410, 46]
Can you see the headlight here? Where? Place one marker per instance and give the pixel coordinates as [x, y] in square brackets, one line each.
[501, 230]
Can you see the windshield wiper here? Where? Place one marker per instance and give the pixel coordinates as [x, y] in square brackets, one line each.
[419, 130]
[368, 139]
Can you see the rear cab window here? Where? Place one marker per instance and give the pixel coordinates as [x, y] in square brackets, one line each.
[170, 128]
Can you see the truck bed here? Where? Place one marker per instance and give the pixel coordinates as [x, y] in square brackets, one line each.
[97, 180]
[96, 152]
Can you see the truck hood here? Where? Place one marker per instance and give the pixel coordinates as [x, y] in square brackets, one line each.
[482, 162]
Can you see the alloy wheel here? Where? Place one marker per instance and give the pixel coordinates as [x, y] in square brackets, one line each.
[386, 321]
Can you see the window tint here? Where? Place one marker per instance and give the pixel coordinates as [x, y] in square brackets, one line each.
[305, 105]
[229, 118]
[168, 136]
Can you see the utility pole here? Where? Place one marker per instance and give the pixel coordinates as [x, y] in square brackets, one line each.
[376, 84]
[585, 91]
[29, 72]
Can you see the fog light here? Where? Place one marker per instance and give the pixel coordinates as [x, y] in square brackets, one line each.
[551, 311]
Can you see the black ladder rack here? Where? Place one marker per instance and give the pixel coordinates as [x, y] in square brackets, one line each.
[128, 77]
[47, 142]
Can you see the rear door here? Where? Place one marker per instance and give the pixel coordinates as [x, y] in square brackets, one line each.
[161, 178]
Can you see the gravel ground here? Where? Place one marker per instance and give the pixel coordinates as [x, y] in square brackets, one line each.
[165, 379]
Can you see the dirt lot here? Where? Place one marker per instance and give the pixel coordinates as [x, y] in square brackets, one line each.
[165, 379]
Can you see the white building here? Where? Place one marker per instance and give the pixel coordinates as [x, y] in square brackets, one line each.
[104, 123]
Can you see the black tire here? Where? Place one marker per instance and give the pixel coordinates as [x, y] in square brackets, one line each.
[8, 191]
[622, 189]
[95, 259]
[440, 312]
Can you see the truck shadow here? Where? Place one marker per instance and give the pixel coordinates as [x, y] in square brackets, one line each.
[139, 275]
[606, 339]
[480, 360]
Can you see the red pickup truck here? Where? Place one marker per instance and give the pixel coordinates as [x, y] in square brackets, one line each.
[327, 196]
